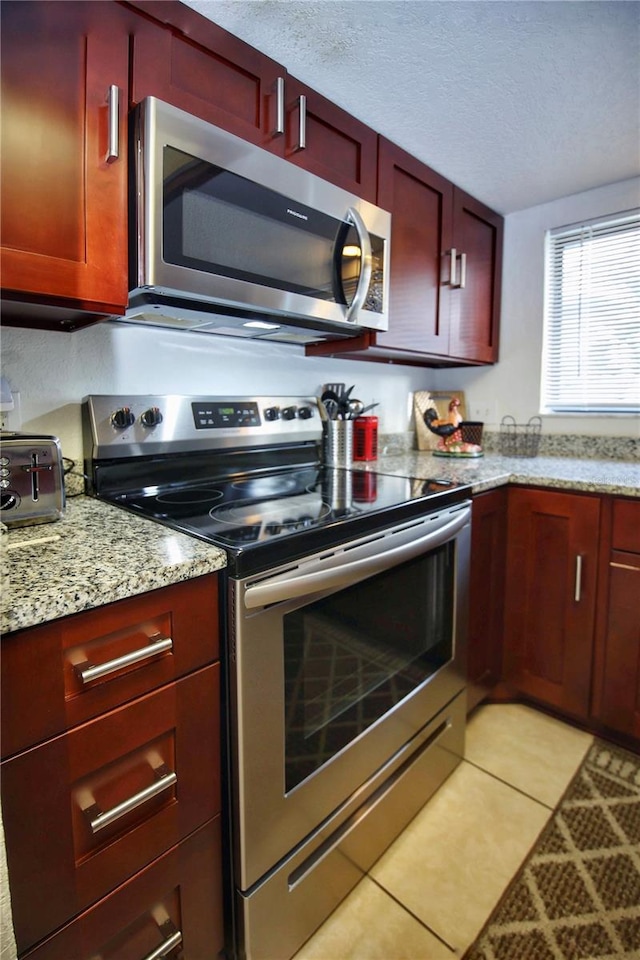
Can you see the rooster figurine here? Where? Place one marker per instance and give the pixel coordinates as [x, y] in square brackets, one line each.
[450, 442]
[444, 428]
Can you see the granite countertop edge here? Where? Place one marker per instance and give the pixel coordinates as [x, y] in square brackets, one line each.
[98, 553]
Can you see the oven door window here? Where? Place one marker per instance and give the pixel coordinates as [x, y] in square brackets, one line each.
[218, 222]
[352, 657]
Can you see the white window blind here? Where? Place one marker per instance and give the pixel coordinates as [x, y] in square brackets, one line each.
[591, 360]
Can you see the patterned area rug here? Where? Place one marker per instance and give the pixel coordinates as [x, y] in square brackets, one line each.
[577, 896]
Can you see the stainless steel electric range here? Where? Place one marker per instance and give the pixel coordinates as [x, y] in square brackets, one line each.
[344, 622]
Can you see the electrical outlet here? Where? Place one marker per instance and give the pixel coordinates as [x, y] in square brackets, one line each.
[12, 419]
[484, 411]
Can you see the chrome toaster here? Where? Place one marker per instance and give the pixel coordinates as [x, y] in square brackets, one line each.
[31, 479]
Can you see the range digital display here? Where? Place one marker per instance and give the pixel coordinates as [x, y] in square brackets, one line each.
[219, 415]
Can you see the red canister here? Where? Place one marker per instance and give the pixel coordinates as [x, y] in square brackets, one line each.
[365, 438]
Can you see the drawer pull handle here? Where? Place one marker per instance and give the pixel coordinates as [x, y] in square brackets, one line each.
[121, 809]
[453, 276]
[577, 593]
[624, 566]
[279, 128]
[113, 101]
[165, 947]
[94, 671]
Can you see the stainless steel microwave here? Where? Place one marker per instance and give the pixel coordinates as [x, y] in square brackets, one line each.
[231, 239]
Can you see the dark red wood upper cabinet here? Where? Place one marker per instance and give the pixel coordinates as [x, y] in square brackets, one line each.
[475, 301]
[420, 203]
[552, 560]
[327, 141]
[446, 272]
[190, 62]
[64, 200]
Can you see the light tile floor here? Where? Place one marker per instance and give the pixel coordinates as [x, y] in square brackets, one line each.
[428, 896]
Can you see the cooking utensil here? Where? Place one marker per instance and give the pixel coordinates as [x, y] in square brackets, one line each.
[337, 388]
[366, 409]
[354, 409]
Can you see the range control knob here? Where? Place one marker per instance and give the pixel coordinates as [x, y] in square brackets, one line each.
[151, 417]
[289, 413]
[122, 418]
[9, 500]
[305, 413]
[271, 413]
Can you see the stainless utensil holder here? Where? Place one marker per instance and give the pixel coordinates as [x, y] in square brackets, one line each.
[338, 442]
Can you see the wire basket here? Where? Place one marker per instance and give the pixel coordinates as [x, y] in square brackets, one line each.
[520, 439]
[471, 431]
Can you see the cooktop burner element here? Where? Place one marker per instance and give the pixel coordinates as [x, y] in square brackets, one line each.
[221, 470]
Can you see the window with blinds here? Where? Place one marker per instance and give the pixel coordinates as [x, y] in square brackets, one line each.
[591, 357]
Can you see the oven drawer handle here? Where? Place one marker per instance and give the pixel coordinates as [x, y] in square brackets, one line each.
[286, 588]
[94, 671]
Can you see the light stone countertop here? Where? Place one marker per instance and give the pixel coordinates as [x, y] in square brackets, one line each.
[96, 554]
[99, 553]
[617, 477]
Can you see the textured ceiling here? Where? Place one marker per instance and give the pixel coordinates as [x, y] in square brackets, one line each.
[517, 102]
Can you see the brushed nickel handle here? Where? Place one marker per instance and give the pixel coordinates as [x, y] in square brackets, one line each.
[453, 276]
[106, 818]
[367, 264]
[165, 947]
[113, 101]
[624, 566]
[279, 128]
[463, 271]
[578, 582]
[90, 671]
[302, 123]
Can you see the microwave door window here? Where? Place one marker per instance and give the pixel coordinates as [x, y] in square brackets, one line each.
[212, 218]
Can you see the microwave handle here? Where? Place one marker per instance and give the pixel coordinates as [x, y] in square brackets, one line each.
[367, 262]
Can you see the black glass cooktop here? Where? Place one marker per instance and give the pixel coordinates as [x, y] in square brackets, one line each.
[267, 518]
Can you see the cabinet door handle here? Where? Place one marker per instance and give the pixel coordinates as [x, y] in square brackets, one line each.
[453, 276]
[94, 671]
[113, 101]
[578, 584]
[302, 123]
[279, 128]
[624, 566]
[106, 818]
[165, 947]
[463, 271]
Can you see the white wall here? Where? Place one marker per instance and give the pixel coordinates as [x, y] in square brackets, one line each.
[53, 371]
[513, 385]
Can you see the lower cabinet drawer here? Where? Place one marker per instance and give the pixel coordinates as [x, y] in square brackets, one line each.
[86, 810]
[171, 909]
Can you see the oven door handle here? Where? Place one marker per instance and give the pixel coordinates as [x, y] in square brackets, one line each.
[288, 585]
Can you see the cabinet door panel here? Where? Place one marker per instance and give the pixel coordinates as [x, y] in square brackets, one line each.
[180, 891]
[619, 706]
[475, 307]
[420, 204]
[486, 593]
[64, 206]
[616, 686]
[53, 796]
[209, 73]
[551, 585]
[337, 148]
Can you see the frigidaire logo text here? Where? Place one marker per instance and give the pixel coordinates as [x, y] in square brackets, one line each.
[294, 213]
